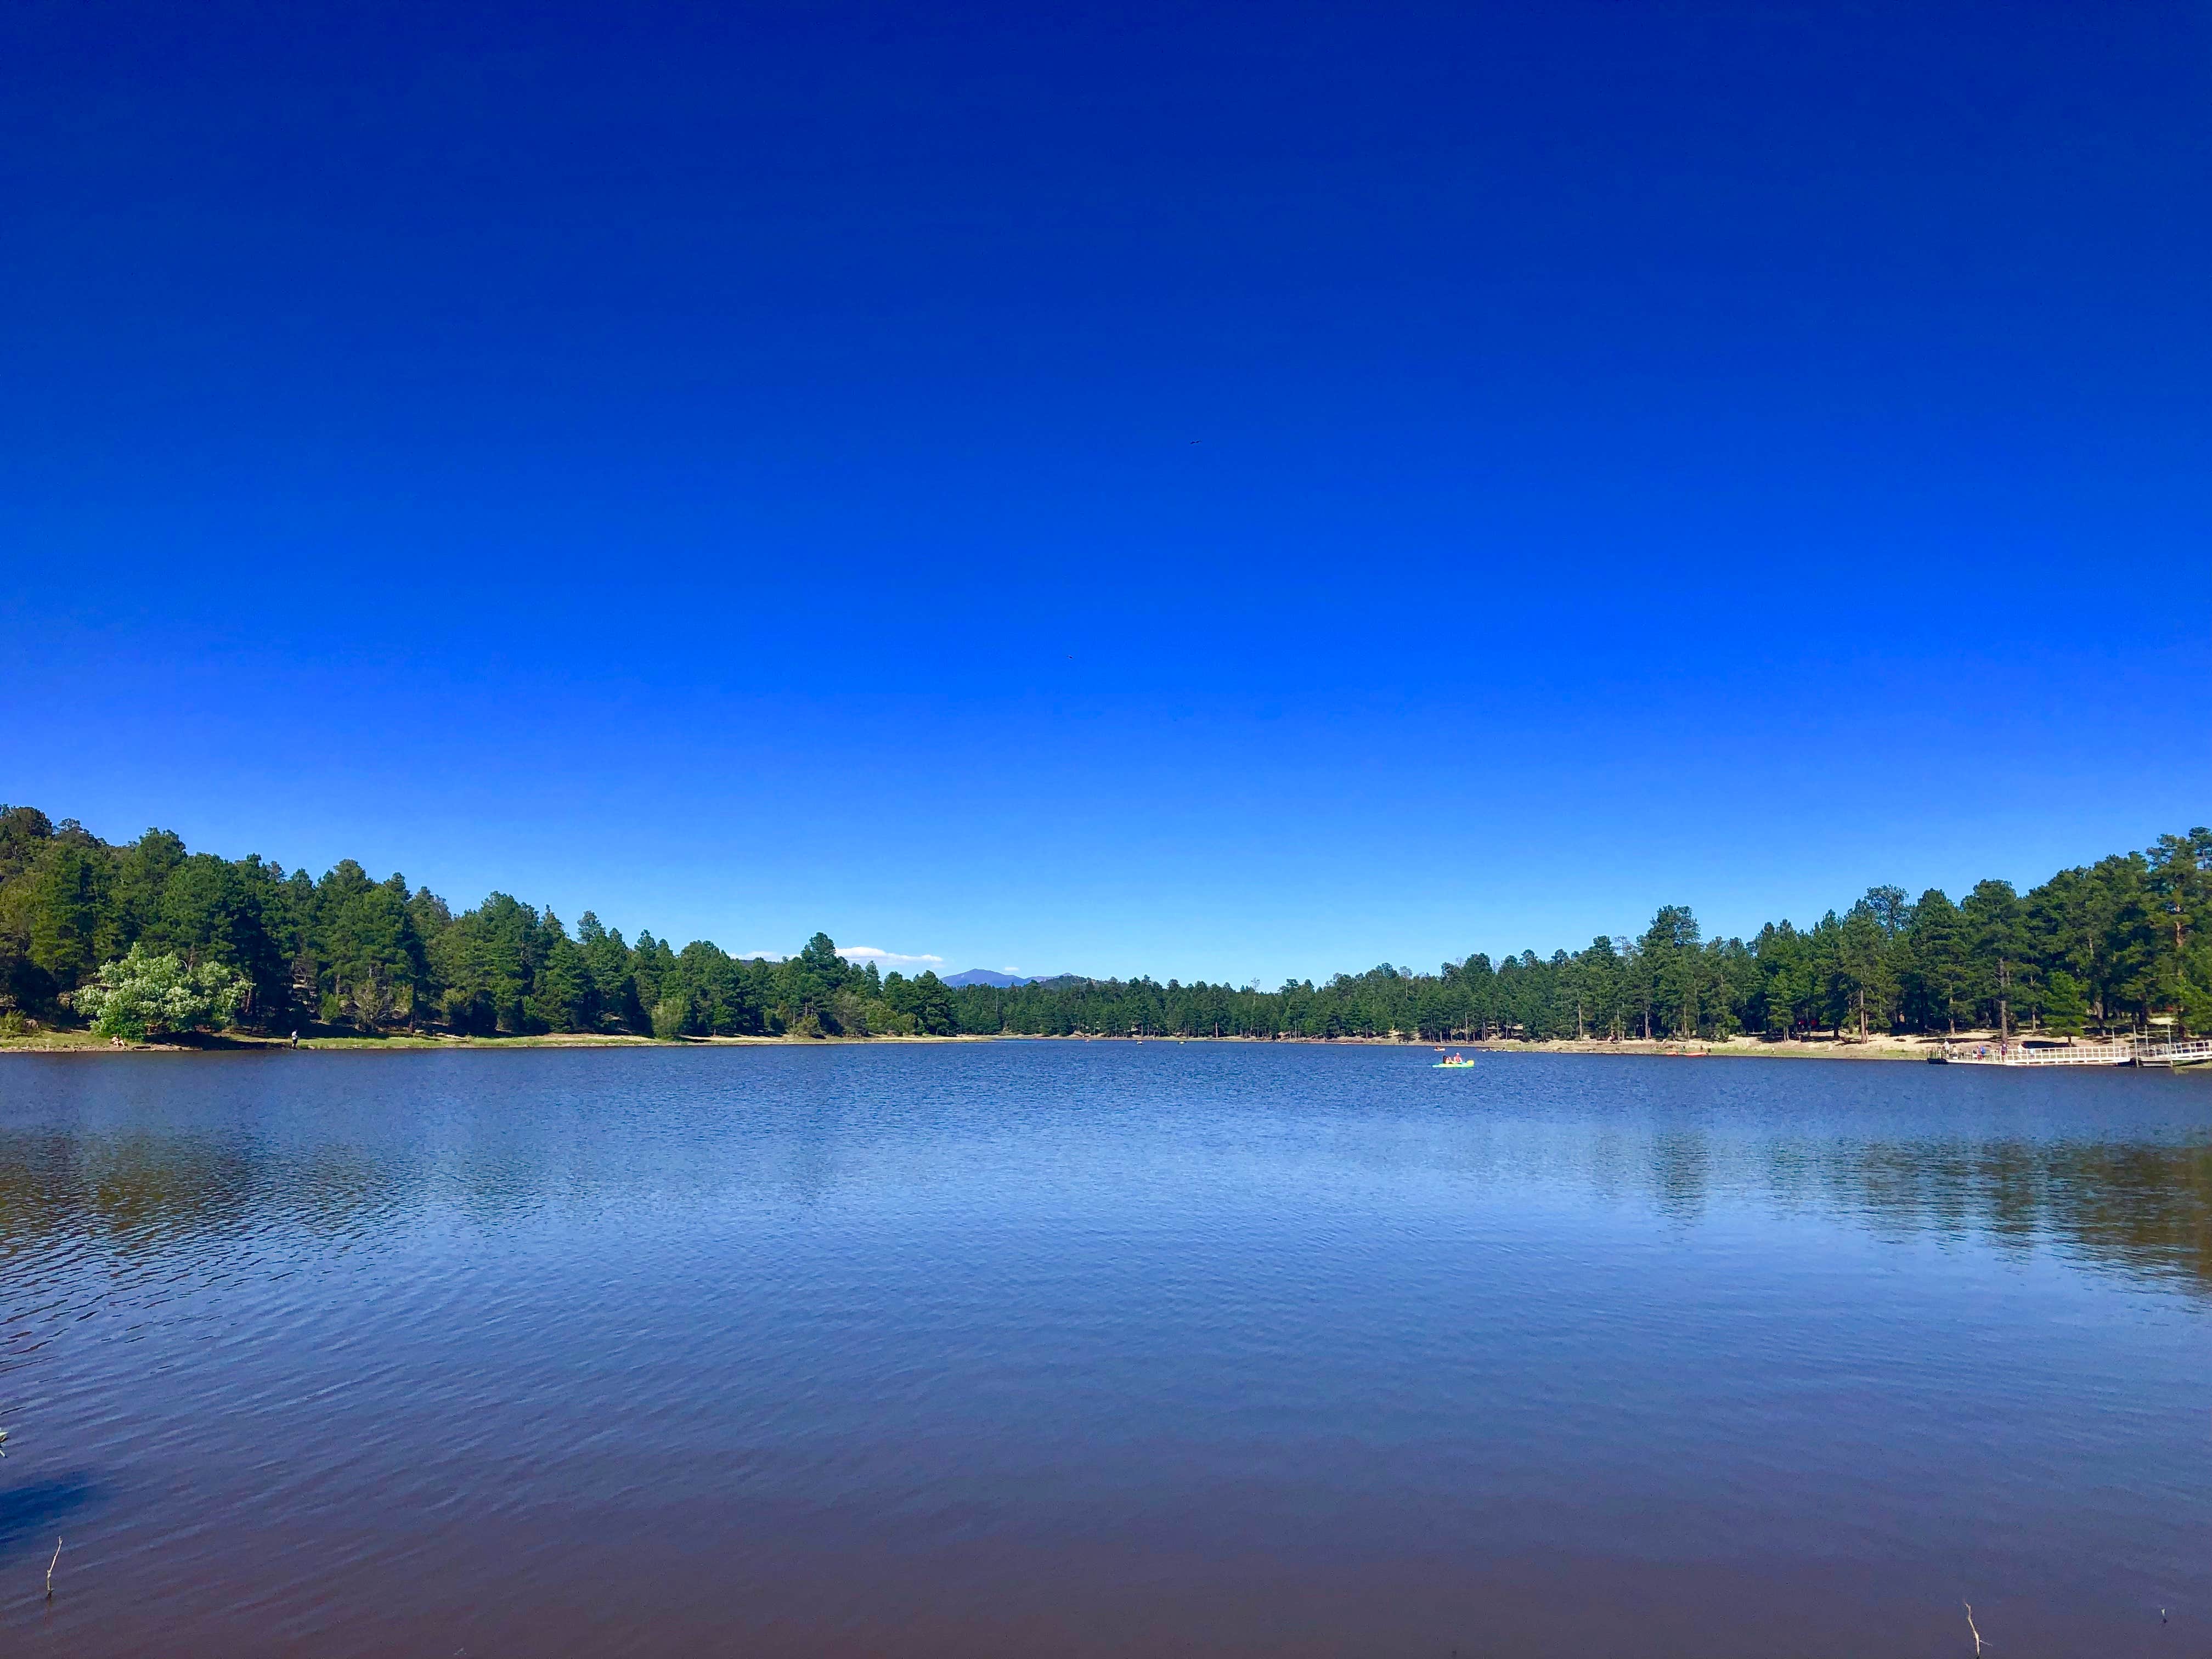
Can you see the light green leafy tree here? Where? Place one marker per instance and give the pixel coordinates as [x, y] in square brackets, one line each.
[146, 993]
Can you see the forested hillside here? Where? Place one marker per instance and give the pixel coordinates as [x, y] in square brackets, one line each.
[149, 935]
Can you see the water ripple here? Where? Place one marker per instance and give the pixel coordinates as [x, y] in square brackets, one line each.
[1086, 1347]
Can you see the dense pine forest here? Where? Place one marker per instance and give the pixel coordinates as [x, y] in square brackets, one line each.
[149, 937]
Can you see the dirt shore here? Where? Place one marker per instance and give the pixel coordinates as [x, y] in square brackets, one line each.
[84, 1043]
[1874, 1047]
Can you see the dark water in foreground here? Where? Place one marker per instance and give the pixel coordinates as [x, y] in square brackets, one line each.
[1058, 1349]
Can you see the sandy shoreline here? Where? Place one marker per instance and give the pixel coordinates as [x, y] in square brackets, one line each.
[1875, 1047]
[81, 1043]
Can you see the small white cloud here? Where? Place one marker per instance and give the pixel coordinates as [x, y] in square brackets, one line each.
[864, 953]
[857, 954]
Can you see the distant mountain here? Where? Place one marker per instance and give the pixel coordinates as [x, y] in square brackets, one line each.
[985, 976]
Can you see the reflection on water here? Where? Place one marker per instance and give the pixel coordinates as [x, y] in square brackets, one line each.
[1034, 1347]
[2144, 1209]
[134, 1191]
[2141, 1205]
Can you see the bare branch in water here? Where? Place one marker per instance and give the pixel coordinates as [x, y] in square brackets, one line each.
[1969, 1606]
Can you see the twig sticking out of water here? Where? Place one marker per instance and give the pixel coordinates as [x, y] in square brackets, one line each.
[1969, 1606]
[49, 1569]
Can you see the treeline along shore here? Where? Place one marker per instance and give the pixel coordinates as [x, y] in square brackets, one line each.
[147, 938]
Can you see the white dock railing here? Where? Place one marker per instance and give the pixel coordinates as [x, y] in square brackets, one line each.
[2131, 1051]
[2195, 1052]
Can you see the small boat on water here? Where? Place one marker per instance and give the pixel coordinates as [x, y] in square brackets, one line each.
[1452, 1062]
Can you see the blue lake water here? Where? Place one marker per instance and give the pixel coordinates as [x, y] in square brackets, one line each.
[1062, 1348]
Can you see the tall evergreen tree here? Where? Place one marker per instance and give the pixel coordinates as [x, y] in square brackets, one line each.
[1992, 918]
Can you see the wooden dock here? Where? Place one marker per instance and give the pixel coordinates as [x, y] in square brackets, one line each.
[2132, 1051]
[2195, 1053]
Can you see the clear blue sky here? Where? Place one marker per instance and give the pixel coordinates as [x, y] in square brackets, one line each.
[1225, 491]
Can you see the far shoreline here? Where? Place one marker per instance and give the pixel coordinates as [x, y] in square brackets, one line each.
[1742, 1048]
